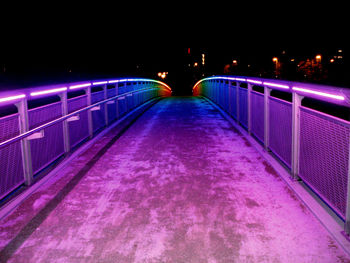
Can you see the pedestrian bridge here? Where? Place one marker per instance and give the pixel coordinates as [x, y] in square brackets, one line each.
[121, 171]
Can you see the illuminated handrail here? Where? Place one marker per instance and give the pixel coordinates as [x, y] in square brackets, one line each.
[63, 118]
[253, 110]
[147, 88]
[335, 95]
[15, 96]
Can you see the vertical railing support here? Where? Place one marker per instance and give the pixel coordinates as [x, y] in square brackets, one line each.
[229, 105]
[105, 105]
[22, 108]
[249, 94]
[89, 112]
[297, 99]
[237, 101]
[267, 93]
[117, 101]
[64, 103]
[347, 215]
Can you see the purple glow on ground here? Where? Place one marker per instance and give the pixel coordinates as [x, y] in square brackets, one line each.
[180, 185]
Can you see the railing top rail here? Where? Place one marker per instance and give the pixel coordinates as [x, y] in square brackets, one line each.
[13, 96]
[63, 118]
[335, 95]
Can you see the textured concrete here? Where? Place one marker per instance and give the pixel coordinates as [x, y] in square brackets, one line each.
[181, 185]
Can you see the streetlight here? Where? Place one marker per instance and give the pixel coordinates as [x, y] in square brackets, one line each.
[318, 58]
[276, 62]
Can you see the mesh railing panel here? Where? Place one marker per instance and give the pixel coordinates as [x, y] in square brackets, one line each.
[78, 130]
[11, 168]
[280, 135]
[324, 156]
[243, 107]
[98, 117]
[52, 144]
[233, 102]
[257, 111]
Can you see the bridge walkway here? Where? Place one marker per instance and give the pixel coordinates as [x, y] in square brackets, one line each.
[179, 185]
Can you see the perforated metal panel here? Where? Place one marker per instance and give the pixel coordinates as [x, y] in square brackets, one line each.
[98, 117]
[280, 139]
[233, 102]
[11, 169]
[243, 107]
[257, 112]
[78, 130]
[324, 156]
[45, 150]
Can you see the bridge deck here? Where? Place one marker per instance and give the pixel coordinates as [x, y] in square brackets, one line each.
[180, 185]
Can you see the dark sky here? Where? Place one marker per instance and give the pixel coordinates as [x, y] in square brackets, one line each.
[56, 65]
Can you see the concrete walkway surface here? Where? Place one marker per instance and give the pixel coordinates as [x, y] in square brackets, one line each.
[180, 185]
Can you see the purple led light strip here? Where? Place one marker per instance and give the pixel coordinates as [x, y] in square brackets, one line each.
[276, 85]
[12, 98]
[322, 94]
[44, 92]
[79, 86]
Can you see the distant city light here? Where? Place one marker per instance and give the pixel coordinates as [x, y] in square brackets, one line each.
[163, 75]
[318, 58]
[196, 64]
[275, 59]
[332, 60]
[203, 59]
[235, 62]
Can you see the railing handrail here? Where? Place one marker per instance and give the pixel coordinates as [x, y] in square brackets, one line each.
[12, 96]
[332, 94]
[63, 118]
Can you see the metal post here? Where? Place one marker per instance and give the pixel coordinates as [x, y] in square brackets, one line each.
[229, 106]
[347, 216]
[267, 93]
[89, 112]
[22, 108]
[297, 99]
[64, 102]
[117, 102]
[105, 96]
[250, 87]
[237, 100]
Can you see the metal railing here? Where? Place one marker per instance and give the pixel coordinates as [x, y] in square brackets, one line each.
[313, 146]
[33, 139]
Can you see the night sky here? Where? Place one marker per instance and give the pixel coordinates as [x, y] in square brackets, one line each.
[54, 65]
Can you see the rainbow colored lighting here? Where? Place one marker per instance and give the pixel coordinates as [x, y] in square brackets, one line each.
[50, 91]
[12, 98]
[322, 94]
